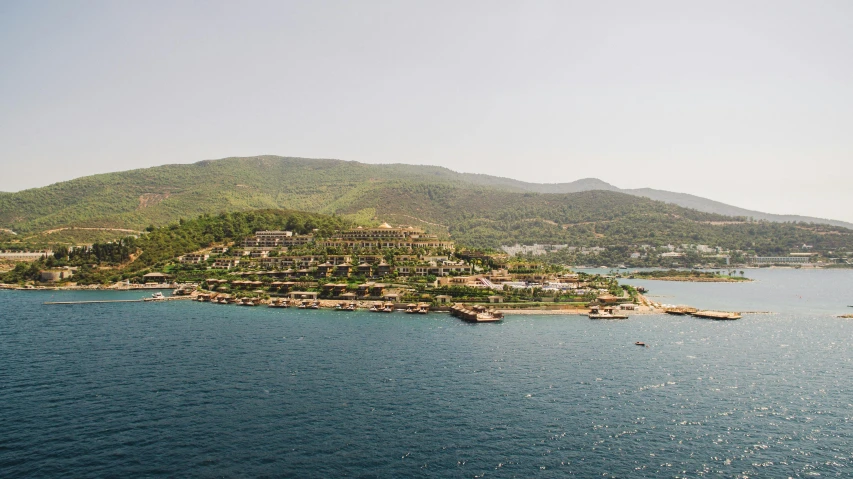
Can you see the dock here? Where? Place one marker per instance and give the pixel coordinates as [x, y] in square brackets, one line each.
[717, 315]
[106, 301]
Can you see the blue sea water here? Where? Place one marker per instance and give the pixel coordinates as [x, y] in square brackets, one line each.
[201, 390]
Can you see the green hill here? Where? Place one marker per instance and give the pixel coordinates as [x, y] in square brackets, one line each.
[477, 210]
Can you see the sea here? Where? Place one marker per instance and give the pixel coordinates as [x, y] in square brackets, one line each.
[186, 389]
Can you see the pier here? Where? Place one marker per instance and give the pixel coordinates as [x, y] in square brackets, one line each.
[106, 301]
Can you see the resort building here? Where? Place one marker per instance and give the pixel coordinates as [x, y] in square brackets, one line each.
[193, 258]
[386, 236]
[225, 263]
[780, 260]
[276, 239]
[52, 275]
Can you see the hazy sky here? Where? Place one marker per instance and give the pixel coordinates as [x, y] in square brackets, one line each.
[746, 102]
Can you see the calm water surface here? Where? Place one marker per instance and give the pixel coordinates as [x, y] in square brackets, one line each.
[202, 390]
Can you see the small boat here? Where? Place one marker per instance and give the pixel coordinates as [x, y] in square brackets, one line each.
[304, 304]
[352, 306]
[423, 308]
[158, 296]
[375, 307]
[388, 307]
[314, 305]
[640, 343]
[411, 308]
[342, 306]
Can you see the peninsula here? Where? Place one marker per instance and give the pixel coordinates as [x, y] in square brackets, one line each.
[690, 276]
[269, 256]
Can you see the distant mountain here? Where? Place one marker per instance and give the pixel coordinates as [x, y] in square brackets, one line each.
[711, 206]
[681, 199]
[477, 209]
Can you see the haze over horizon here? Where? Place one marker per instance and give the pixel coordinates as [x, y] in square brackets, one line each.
[748, 103]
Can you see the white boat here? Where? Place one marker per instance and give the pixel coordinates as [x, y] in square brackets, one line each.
[157, 296]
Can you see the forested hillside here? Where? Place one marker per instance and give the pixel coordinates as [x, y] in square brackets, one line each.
[477, 210]
[159, 245]
[485, 218]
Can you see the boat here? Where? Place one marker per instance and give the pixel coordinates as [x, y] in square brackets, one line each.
[304, 304]
[717, 315]
[342, 306]
[596, 312]
[158, 296]
[411, 308]
[476, 314]
[423, 308]
[314, 304]
[388, 307]
[640, 343]
[352, 306]
[375, 307]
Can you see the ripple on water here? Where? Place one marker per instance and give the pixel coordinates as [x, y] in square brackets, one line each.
[203, 390]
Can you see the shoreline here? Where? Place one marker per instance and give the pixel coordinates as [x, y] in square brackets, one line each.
[695, 280]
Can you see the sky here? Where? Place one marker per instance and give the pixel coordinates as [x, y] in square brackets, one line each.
[745, 102]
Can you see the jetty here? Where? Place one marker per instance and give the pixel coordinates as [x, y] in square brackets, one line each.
[107, 301]
[716, 315]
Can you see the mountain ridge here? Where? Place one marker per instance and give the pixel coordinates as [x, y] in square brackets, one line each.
[158, 195]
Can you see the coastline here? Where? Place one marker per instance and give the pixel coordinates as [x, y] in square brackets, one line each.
[686, 279]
